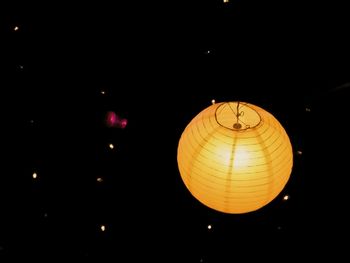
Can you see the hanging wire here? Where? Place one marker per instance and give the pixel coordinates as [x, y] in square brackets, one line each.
[237, 125]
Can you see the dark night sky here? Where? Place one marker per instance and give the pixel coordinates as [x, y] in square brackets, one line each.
[153, 63]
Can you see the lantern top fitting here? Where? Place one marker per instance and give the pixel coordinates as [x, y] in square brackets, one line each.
[237, 116]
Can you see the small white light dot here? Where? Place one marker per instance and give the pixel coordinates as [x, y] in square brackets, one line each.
[299, 152]
[111, 146]
[99, 179]
[103, 228]
[16, 28]
[103, 92]
[35, 175]
[208, 51]
[45, 215]
[209, 227]
[31, 121]
[307, 109]
[212, 101]
[20, 66]
[286, 197]
[226, 1]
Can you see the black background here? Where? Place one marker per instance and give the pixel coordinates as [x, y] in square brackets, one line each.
[152, 61]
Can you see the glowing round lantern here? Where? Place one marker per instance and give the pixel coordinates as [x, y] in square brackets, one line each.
[235, 157]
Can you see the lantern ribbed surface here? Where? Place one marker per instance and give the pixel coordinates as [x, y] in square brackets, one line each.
[235, 157]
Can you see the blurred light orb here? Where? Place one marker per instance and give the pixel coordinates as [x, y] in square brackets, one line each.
[113, 120]
[123, 123]
[235, 157]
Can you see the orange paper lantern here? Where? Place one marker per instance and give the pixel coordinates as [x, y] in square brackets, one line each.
[235, 157]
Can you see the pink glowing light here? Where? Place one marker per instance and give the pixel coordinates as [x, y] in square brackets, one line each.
[113, 120]
[123, 123]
